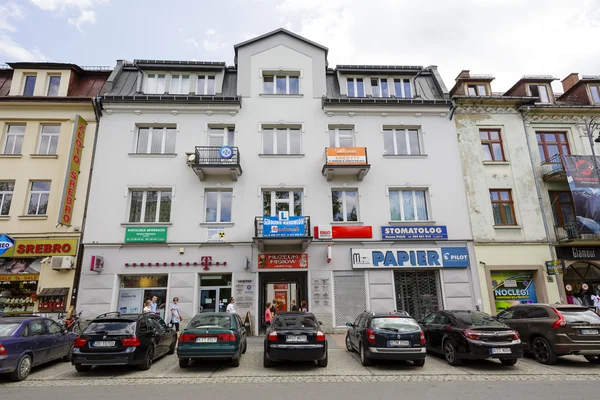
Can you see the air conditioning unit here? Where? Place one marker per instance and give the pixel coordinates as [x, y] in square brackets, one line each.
[60, 263]
[97, 264]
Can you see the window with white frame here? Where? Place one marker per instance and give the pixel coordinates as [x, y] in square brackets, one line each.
[13, 141]
[275, 201]
[155, 83]
[206, 85]
[221, 136]
[401, 142]
[180, 84]
[344, 205]
[356, 87]
[408, 205]
[379, 87]
[281, 83]
[150, 206]
[39, 192]
[49, 139]
[218, 205]
[402, 88]
[53, 85]
[282, 140]
[6, 194]
[477, 89]
[155, 140]
[341, 137]
[540, 91]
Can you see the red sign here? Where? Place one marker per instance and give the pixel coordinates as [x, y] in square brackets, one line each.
[281, 298]
[282, 261]
[343, 232]
[280, 286]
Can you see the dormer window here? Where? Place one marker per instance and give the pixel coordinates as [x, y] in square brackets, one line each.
[155, 84]
[206, 85]
[53, 84]
[379, 87]
[29, 86]
[356, 87]
[180, 84]
[476, 90]
[402, 88]
[595, 89]
[281, 84]
[540, 91]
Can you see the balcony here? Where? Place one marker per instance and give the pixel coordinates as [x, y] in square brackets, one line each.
[345, 161]
[553, 169]
[573, 233]
[272, 233]
[216, 161]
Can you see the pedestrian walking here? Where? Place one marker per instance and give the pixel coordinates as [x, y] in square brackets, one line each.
[154, 305]
[273, 309]
[268, 315]
[303, 306]
[147, 306]
[231, 306]
[175, 315]
[294, 306]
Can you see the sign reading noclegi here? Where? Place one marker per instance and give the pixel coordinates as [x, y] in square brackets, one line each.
[406, 257]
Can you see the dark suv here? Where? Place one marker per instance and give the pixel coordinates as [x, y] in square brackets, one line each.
[123, 339]
[550, 331]
[386, 336]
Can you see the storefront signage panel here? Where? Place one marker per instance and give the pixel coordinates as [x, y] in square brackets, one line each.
[6, 243]
[577, 253]
[343, 232]
[414, 232]
[41, 248]
[70, 188]
[145, 234]
[512, 288]
[583, 182]
[283, 226]
[444, 257]
[555, 267]
[19, 278]
[282, 261]
[346, 156]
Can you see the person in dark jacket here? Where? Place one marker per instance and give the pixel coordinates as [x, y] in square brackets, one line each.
[294, 306]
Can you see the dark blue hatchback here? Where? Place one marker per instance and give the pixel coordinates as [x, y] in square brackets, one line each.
[26, 342]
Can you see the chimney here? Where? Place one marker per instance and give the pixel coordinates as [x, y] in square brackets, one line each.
[570, 81]
[464, 74]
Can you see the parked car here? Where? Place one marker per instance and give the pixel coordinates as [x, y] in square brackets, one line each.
[295, 336]
[123, 339]
[386, 336]
[26, 342]
[551, 331]
[213, 335]
[471, 335]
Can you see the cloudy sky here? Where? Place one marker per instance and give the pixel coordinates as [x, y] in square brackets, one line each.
[505, 38]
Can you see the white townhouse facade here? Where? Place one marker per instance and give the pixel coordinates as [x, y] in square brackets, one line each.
[278, 178]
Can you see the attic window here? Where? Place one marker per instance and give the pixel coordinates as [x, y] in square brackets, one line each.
[29, 85]
[155, 83]
[595, 89]
[356, 87]
[540, 91]
[281, 83]
[476, 90]
[53, 84]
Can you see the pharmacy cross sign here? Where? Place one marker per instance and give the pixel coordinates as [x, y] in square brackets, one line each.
[206, 261]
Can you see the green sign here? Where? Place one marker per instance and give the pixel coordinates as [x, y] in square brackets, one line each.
[145, 234]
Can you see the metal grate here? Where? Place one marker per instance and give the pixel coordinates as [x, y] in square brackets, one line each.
[350, 297]
[417, 292]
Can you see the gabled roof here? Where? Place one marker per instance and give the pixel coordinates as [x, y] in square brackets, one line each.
[275, 32]
[531, 79]
[585, 79]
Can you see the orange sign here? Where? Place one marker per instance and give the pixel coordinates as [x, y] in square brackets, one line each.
[281, 298]
[68, 197]
[18, 278]
[346, 156]
[282, 261]
[42, 248]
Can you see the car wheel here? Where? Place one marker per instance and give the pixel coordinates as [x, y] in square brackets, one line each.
[419, 363]
[323, 363]
[349, 344]
[542, 351]
[593, 359]
[172, 347]
[148, 359]
[23, 368]
[235, 362]
[364, 360]
[184, 362]
[450, 353]
[245, 347]
[267, 362]
[69, 356]
[82, 368]
[508, 361]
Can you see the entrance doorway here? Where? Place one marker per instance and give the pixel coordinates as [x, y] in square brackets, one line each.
[417, 292]
[283, 287]
[215, 293]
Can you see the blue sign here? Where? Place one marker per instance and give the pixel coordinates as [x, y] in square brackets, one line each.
[283, 227]
[6, 243]
[226, 152]
[414, 232]
[457, 257]
[444, 257]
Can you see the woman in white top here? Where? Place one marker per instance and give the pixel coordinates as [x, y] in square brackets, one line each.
[148, 306]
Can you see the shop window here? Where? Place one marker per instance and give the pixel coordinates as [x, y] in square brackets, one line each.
[136, 289]
[215, 280]
[144, 281]
[513, 287]
[582, 281]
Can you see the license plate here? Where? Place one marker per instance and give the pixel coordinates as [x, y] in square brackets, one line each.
[398, 343]
[104, 344]
[589, 331]
[501, 351]
[300, 338]
[206, 340]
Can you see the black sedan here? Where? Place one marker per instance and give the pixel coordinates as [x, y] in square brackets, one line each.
[295, 336]
[123, 339]
[471, 335]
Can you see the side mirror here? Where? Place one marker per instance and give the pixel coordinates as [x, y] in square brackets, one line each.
[350, 324]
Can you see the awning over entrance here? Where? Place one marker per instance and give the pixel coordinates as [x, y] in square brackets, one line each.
[54, 292]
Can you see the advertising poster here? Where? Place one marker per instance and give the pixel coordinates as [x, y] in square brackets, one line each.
[585, 189]
[282, 300]
[14, 266]
[346, 156]
[512, 288]
[283, 227]
[130, 301]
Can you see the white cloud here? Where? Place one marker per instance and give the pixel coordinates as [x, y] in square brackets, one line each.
[13, 51]
[85, 17]
[193, 42]
[213, 41]
[9, 13]
[84, 9]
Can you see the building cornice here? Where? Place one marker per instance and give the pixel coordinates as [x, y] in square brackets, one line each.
[386, 111]
[175, 109]
[485, 110]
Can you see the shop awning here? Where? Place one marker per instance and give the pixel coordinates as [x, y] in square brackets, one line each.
[63, 291]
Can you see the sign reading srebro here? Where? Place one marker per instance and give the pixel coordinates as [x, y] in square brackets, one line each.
[145, 234]
[22, 248]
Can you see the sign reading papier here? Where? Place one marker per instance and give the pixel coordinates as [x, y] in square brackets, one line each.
[444, 257]
[346, 156]
[70, 188]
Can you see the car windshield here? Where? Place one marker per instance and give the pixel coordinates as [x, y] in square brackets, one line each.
[211, 321]
[478, 319]
[582, 315]
[118, 327]
[295, 322]
[395, 324]
[8, 329]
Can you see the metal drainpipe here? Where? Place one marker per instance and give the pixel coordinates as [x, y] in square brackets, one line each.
[539, 194]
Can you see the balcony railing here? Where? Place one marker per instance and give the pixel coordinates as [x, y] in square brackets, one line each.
[212, 156]
[573, 232]
[553, 168]
[259, 229]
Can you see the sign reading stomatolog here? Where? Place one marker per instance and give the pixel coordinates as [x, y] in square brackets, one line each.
[68, 196]
[282, 261]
